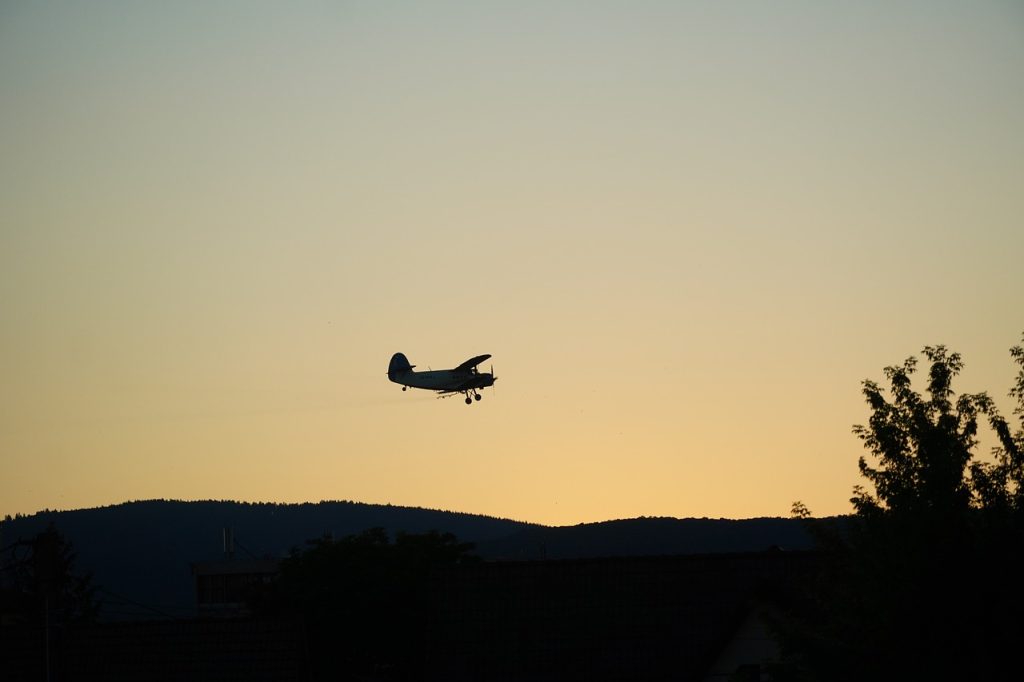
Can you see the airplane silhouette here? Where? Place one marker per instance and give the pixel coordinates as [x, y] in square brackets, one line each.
[463, 379]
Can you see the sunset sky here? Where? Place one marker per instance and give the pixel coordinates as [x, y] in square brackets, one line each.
[686, 231]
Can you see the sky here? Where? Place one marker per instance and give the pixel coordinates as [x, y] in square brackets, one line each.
[685, 231]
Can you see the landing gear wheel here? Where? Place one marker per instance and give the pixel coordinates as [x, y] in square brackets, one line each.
[469, 401]
[477, 396]
[405, 388]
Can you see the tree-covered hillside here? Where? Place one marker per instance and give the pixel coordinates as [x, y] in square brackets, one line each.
[140, 553]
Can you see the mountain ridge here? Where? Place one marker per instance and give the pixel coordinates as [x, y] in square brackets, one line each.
[140, 552]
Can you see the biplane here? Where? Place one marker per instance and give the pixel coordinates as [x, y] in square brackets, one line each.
[465, 379]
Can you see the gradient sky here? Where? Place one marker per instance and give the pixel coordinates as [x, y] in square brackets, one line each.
[686, 231]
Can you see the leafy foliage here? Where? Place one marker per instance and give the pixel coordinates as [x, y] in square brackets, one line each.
[924, 580]
[925, 446]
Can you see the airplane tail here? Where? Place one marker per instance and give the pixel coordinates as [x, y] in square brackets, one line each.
[399, 366]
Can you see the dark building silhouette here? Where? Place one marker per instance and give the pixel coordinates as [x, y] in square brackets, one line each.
[223, 586]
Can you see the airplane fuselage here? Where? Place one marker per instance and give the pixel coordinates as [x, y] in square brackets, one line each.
[445, 380]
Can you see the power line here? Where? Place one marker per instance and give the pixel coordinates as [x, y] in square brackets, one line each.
[139, 604]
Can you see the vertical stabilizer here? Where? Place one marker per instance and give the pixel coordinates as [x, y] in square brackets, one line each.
[398, 367]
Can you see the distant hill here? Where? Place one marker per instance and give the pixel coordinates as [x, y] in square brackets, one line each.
[648, 536]
[140, 552]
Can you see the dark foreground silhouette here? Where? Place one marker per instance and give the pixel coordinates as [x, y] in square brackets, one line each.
[424, 607]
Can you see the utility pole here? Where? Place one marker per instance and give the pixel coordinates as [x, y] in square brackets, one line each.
[46, 565]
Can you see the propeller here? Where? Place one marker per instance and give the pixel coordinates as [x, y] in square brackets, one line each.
[494, 380]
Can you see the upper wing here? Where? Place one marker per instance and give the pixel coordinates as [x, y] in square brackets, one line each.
[472, 362]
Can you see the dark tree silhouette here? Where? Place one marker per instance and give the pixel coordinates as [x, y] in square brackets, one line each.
[42, 596]
[923, 581]
[41, 584]
[365, 600]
